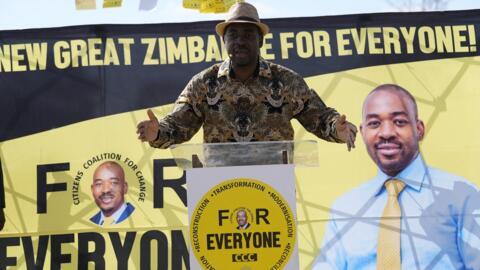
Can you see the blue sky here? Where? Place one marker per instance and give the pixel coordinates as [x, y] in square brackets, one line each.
[20, 14]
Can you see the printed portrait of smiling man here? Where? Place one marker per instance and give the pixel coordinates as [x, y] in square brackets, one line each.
[242, 220]
[108, 189]
[410, 215]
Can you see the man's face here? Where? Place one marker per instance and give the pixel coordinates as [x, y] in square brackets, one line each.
[109, 188]
[242, 41]
[241, 218]
[390, 130]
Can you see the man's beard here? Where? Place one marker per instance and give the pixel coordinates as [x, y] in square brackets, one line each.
[243, 62]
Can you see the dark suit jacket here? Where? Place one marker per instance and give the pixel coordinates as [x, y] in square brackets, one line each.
[246, 227]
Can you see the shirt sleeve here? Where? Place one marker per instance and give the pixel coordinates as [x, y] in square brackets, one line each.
[468, 231]
[315, 116]
[332, 254]
[185, 119]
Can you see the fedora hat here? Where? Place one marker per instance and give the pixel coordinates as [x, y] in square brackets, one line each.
[242, 12]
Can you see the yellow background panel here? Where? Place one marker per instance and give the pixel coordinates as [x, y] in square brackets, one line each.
[447, 92]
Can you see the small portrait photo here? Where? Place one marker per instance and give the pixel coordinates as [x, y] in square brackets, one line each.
[109, 187]
[242, 219]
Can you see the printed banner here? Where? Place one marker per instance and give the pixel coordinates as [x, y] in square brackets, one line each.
[210, 6]
[112, 3]
[71, 98]
[85, 4]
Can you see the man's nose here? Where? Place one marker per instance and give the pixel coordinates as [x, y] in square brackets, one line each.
[241, 39]
[106, 187]
[387, 130]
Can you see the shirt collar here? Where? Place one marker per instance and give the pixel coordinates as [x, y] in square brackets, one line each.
[413, 176]
[115, 215]
[263, 69]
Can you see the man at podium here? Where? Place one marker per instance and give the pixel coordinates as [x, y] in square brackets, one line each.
[245, 98]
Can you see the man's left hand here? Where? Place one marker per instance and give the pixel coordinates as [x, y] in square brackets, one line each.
[346, 131]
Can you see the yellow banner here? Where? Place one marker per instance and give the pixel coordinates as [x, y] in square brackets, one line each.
[112, 3]
[50, 191]
[86, 192]
[210, 6]
[192, 4]
[85, 4]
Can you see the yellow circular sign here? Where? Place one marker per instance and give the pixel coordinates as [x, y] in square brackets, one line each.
[242, 224]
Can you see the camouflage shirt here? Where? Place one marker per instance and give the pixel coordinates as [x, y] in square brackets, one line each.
[259, 109]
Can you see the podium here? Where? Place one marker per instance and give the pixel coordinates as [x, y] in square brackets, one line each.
[241, 202]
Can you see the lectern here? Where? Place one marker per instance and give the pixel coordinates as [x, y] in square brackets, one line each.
[241, 202]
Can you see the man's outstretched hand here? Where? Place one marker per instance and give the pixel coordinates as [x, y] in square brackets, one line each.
[346, 131]
[148, 130]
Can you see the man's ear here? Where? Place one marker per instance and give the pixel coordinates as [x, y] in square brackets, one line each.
[420, 129]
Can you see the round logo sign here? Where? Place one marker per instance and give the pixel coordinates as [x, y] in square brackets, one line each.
[242, 224]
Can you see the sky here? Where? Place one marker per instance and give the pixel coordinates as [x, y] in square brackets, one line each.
[23, 14]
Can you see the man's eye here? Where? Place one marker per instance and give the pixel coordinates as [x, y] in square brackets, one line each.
[400, 122]
[373, 124]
